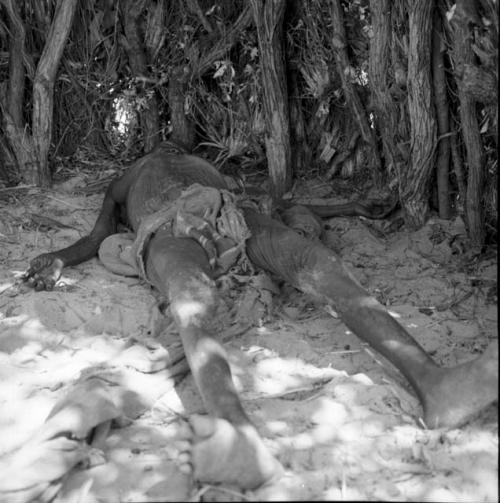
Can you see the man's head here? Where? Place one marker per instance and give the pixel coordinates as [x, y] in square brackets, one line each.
[172, 146]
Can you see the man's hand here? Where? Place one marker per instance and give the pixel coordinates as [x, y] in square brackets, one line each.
[44, 271]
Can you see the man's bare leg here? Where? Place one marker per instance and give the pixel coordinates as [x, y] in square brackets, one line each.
[449, 396]
[226, 446]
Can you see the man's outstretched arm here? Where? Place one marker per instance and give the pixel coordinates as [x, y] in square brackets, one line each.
[46, 269]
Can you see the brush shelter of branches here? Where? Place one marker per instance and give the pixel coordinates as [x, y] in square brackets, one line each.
[399, 94]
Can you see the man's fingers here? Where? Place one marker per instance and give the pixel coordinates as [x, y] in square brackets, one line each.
[31, 280]
[45, 284]
[39, 286]
[43, 273]
[39, 283]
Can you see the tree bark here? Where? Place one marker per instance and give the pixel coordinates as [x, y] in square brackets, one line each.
[378, 70]
[182, 128]
[301, 152]
[481, 85]
[350, 94]
[442, 115]
[462, 55]
[32, 151]
[15, 93]
[43, 87]
[19, 141]
[8, 172]
[458, 169]
[415, 182]
[268, 17]
[149, 115]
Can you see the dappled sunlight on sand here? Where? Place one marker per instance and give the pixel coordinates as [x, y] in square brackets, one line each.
[344, 425]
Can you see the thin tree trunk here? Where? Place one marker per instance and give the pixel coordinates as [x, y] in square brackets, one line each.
[458, 169]
[385, 112]
[415, 182]
[18, 139]
[351, 96]
[462, 55]
[15, 93]
[398, 88]
[301, 153]
[268, 17]
[301, 150]
[442, 115]
[149, 115]
[32, 151]
[182, 128]
[8, 172]
[43, 87]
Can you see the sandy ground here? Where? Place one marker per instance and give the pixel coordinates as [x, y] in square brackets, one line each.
[340, 419]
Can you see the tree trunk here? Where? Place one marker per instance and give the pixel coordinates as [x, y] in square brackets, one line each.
[378, 70]
[389, 116]
[32, 151]
[462, 55]
[458, 169]
[182, 128]
[43, 87]
[149, 115]
[350, 94]
[415, 182]
[301, 152]
[268, 17]
[15, 93]
[442, 115]
[18, 140]
[8, 172]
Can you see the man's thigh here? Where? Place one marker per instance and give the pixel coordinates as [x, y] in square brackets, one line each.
[179, 269]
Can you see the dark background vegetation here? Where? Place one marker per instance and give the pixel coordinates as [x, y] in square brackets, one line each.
[399, 94]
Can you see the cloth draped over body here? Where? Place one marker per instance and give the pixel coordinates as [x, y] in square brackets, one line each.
[210, 216]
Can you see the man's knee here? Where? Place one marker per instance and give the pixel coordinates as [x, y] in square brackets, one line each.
[193, 303]
[281, 250]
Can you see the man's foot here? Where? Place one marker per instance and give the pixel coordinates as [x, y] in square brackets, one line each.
[220, 452]
[460, 393]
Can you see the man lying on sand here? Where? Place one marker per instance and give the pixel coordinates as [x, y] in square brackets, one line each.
[189, 229]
